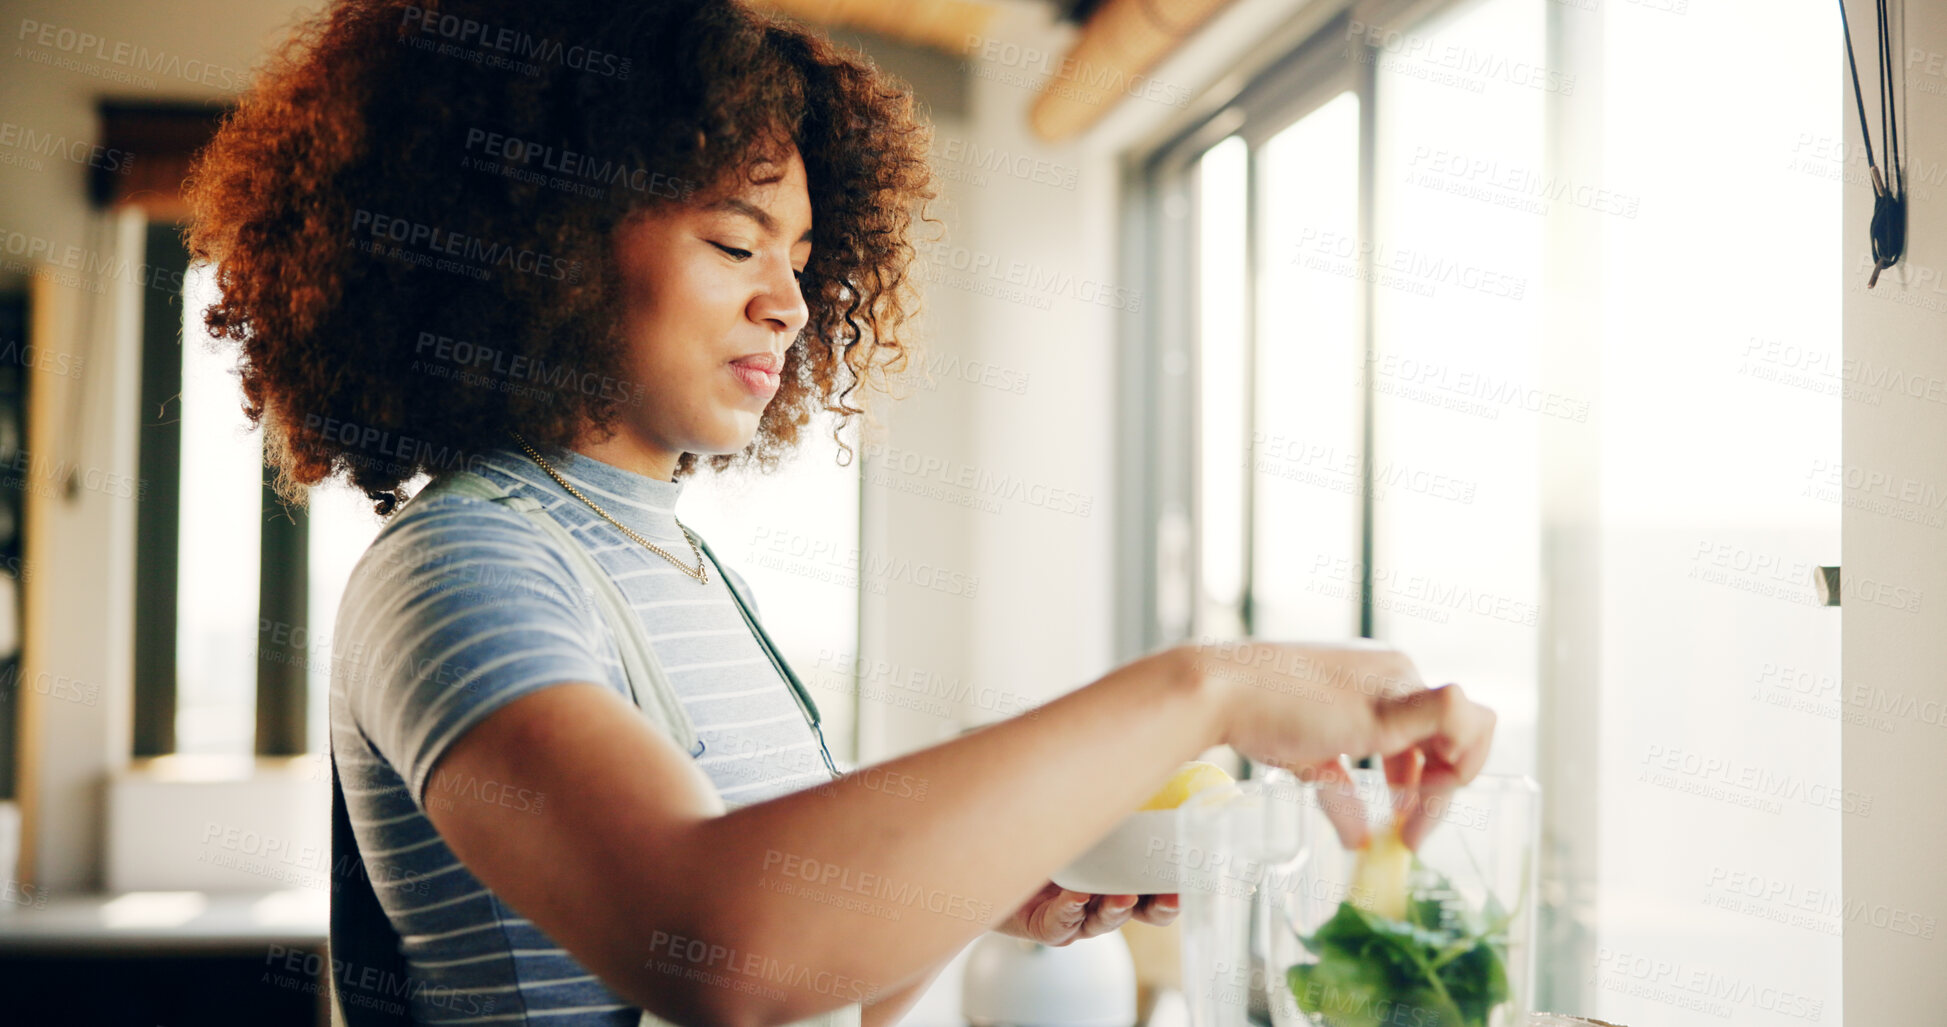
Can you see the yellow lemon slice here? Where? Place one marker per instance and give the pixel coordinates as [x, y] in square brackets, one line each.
[1380, 874]
[1189, 779]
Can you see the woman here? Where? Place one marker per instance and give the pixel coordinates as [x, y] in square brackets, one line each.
[555, 256]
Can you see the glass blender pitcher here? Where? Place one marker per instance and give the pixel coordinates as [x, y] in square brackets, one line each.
[1284, 927]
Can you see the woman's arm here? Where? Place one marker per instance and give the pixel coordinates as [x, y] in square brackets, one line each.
[840, 893]
[887, 1010]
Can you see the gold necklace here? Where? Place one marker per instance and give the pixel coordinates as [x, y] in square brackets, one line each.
[702, 571]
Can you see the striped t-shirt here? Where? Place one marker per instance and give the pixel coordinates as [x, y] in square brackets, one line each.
[461, 605]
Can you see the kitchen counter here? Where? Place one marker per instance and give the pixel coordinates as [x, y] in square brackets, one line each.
[175, 922]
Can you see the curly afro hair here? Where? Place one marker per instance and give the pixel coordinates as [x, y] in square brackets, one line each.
[411, 213]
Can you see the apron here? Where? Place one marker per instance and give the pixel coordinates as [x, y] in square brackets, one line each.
[364, 946]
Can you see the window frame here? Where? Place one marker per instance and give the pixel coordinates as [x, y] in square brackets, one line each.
[158, 511]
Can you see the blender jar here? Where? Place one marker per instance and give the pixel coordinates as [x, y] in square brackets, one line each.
[1279, 930]
[1448, 944]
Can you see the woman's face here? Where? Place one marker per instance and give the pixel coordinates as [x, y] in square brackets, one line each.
[710, 303]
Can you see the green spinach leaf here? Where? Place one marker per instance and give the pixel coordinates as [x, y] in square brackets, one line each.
[1445, 965]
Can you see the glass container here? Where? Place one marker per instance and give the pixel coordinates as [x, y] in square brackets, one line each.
[1286, 927]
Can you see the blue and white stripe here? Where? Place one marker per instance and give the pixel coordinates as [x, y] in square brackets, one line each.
[458, 607]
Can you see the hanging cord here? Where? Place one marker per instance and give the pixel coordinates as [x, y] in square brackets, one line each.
[1888, 229]
[1893, 227]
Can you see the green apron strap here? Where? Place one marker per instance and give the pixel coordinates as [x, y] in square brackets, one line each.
[798, 690]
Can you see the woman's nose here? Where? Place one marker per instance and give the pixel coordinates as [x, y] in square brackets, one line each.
[780, 305]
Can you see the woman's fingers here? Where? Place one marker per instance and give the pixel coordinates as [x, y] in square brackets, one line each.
[1340, 801]
[1452, 728]
[1405, 767]
[1418, 819]
[1447, 737]
[1405, 771]
[1106, 913]
[1057, 916]
[1361, 697]
[1158, 910]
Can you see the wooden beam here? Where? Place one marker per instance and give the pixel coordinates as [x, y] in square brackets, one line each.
[946, 25]
[1111, 60]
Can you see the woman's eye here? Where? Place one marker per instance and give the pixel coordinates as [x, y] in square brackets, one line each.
[734, 252]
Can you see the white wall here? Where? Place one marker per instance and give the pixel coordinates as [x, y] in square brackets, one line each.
[1040, 623]
[1894, 655]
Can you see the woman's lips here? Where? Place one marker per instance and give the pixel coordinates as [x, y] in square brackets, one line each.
[759, 381]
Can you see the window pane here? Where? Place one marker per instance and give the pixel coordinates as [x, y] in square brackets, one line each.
[1720, 424]
[218, 540]
[1455, 377]
[1221, 411]
[1307, 443]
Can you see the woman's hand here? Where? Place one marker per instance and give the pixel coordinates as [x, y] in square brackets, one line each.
[1056, 916]
[1300, 706]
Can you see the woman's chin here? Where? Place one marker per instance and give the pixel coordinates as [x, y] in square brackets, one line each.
[731, 442]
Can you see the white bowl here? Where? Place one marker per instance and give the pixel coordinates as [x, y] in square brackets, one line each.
[1134, 858]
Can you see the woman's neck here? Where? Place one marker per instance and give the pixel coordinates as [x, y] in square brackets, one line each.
[631, 452]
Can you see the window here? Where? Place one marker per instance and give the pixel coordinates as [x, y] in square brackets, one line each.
[221, 669]
[1308, 438]
[219, 543]
[1453, 375]
[1449, 378]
